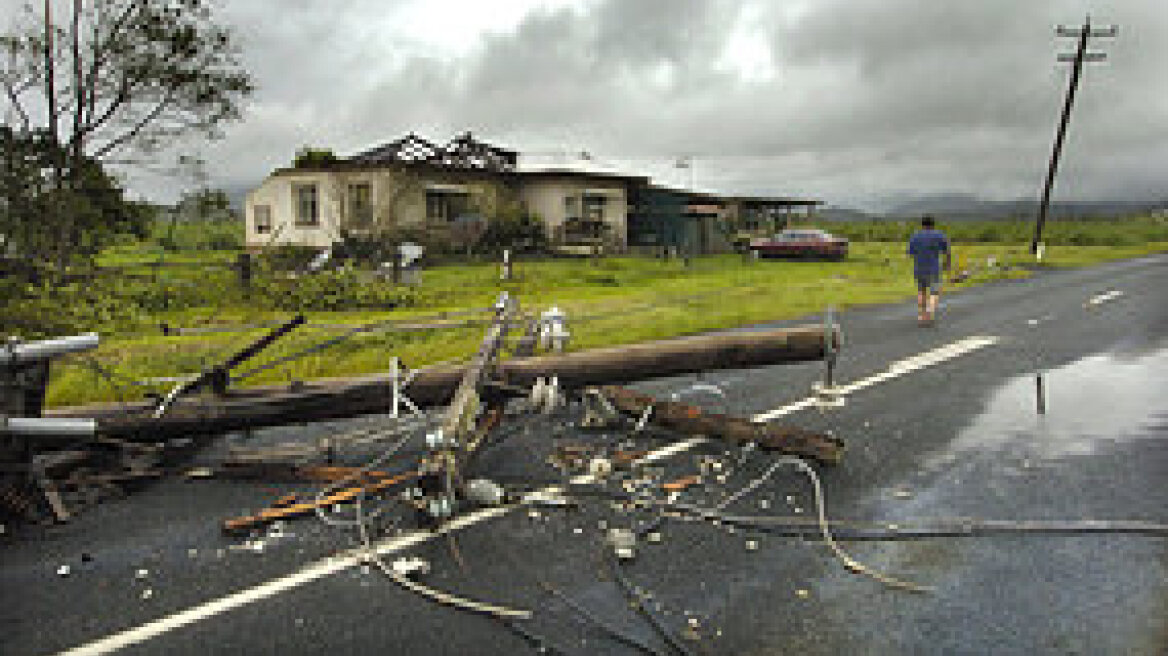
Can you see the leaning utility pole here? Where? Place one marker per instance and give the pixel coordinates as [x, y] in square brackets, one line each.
[1081, 55]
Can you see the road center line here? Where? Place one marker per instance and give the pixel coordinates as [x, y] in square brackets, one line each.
[343, 561]
[894, 370]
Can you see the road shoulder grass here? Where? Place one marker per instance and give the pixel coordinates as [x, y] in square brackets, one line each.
[609, 302]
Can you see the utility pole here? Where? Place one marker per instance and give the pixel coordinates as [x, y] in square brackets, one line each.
[686, 162]
[1083, 34]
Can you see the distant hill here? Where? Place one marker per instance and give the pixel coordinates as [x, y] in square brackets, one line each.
[961, 207]
[843, 214]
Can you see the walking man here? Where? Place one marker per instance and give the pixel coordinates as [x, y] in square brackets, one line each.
[926, 247]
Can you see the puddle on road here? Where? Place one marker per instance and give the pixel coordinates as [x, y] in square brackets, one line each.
[1090, 403]
[1090, 594]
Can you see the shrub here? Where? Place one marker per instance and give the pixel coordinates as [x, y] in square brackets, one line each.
[287, 257]
[332, 290]
[513, 229]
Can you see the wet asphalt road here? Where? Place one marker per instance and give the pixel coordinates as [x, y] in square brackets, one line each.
[957, 439]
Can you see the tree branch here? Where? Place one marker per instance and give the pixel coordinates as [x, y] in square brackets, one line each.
[14, 100]
[101, 50]
[138, 127]
[80, 87]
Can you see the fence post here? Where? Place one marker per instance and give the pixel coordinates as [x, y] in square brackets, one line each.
[243, 264]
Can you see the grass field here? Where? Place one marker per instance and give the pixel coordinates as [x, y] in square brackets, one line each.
[1130, 231]
[609, 301]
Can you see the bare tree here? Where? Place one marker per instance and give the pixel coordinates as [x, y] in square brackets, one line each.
[105, 81]
[118, 76]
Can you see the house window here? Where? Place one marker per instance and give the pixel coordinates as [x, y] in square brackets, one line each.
[570, 206]
[446, 205]
[360, 204]
[307, 205]
[593, 206]
[262, 217]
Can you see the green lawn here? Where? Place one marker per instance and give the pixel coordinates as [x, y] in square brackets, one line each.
[610, 301]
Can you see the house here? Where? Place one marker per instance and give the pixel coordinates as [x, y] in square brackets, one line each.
[412, 182]
[681, 220]
[409, 182]
[581, 210]
[415, 183]
[767, 213]
[698, 223]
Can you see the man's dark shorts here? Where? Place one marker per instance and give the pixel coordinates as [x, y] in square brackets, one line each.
[930, 282]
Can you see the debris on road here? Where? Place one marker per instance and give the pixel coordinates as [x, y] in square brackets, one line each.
[692, 420]
[246, 523]
[682, 483]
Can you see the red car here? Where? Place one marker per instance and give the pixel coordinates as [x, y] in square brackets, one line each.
[804, 242]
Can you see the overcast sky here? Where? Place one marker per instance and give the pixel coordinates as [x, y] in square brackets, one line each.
[852, 101]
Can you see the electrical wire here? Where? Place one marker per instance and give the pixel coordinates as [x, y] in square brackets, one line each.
[356, 475]
[537, 642]
[929, 528]
[584, 612]
[447, 598]
[638, 603]
[369, 554]
[109, 376]
[850, 563]
[332, 341]
[752, 486]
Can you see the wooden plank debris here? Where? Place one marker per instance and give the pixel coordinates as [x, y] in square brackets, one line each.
[681, 483]
[243, 524]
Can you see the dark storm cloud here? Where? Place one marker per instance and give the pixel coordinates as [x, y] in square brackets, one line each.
[844, 99]
[598, 74]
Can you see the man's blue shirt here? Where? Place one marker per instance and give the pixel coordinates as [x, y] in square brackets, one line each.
[926, 247]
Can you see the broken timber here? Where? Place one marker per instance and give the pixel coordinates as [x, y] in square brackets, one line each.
[340, 398]
[692, 420]
[287, 511]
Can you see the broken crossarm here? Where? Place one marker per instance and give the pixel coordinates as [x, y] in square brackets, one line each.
[457, 439]
[219, 376]
[692, 420]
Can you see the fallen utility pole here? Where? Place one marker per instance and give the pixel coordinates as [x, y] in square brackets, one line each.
[692, 420]
[340, 398]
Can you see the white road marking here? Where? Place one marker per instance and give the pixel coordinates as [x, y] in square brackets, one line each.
[340, 562]
[1099, 299]
[894, 370]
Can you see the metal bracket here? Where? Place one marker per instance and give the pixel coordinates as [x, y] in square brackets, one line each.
[827, 393]
[828, 396]
[598, 411]
[546, 395]
[397, 384]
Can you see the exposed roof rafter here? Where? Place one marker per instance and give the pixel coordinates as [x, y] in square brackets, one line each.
[462, 152]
